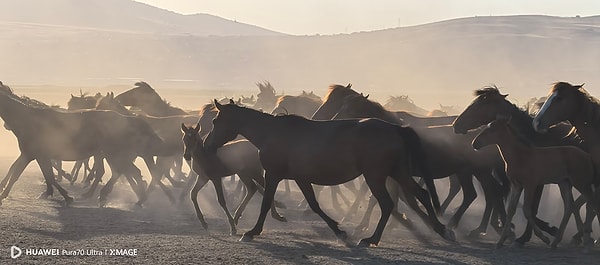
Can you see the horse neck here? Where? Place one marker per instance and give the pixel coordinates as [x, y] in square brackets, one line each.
[511, 149]
[257, 127]
[15, 114]
[587, 121]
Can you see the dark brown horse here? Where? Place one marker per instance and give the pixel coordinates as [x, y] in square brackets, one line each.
[328, 153]
[528, 167]
[447, 154]
[168, 129]
[572, 103]
[144, 97]
[238, 157]
[46, 134]
[488, 104]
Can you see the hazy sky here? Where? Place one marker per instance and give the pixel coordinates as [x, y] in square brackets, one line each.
[302, 17]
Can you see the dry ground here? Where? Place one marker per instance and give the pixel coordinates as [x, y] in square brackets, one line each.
[163, 234]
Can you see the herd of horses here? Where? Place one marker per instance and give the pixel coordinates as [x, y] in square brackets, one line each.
[327, 142]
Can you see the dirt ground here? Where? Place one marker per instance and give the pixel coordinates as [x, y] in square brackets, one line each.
[165, 234]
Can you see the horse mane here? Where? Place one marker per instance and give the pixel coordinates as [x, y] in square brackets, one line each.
[336, 87]
[25, 100]
[491, 89]
[206, 108]
[591, 110]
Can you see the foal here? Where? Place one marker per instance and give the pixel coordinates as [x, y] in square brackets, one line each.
[237, 157]
[528, 167]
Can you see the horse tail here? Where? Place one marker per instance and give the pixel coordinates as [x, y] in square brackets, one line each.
[419, 161]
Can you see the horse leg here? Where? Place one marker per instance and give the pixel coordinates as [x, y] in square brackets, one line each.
[543, 225]
[249, 192]
[191, 179]
[96, 173]
[364, 222]
[567, 196]
[75, 171]
[528, 201]
[200, 181]
[156, 173]
[452, 192]
[469, 195]
[386, 204]
[581, 200]
[102, 197]
[218, 183]
[259, 180]
[362, 193]
[14, 172]
[46, 168]
[513, 200]
[411, 191]
[493, 203]
[271, 183]
[309, 194]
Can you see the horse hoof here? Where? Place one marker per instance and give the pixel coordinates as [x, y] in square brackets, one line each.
[246, 238]
[43, 196]
[342, 235]
[280, 205]
[68, 201]
[476, 234]
[86, 195]
[517, 244]
[449, 235]
[204, 224]
[280, 219]
[365, 243]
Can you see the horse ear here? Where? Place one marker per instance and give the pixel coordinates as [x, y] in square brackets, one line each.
[217, 104]
[112, 95]
[231, 101]
[196, 129]
[580, 86]
[504, 96]
[72, 96]
[349, 85]
[367, 96]
[184, 128]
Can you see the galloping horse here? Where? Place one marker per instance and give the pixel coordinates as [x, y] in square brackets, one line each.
[238, 157]
[447, 154]
[44, 134]
[572, 103]
[144, 97]
[528, 167]
[488, 104]
[165, 127]
[328, 153]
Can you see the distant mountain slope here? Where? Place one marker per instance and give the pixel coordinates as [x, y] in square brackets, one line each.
[442, 61]
[122, 15]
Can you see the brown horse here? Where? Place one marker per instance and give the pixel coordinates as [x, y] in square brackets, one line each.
[528, 167]
[447, 154]
[165, 127]
[302, 105]
[238, 157]
[328, 153]
[404, 103]
[144, 97]
[572, 103]
[46, 134]
[488, 104]
[266, 99]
